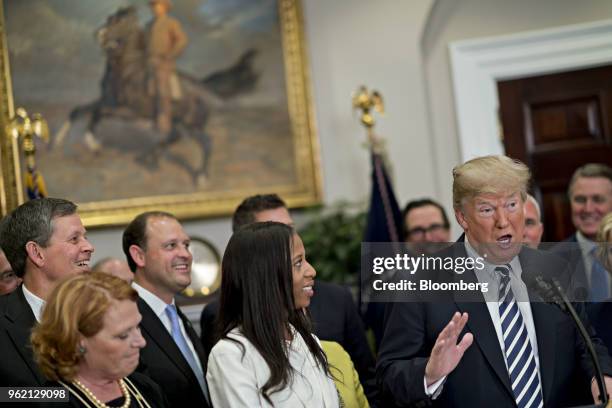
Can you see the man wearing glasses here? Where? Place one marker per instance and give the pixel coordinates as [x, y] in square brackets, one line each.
[425, 222]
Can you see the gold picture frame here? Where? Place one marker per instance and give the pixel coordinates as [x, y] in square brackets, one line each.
[301, 188]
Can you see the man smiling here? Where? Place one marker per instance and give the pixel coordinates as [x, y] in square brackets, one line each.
[45, 242]
[590, 194]
[157, 251]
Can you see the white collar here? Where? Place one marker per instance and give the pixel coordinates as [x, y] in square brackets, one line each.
[36, 303]
[514, 263]
[154, 302]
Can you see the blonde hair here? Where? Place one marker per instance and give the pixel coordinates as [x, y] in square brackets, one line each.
[489, 175]
[75, 308]
[604, 237]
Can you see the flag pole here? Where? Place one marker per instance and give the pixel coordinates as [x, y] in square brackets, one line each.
[25, 128]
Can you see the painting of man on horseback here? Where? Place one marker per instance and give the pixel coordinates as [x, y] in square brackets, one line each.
[165, 98]
[141, 81]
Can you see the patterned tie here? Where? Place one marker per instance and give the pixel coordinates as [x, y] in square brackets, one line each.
[599, 280]
[521, 361]
[180, 341]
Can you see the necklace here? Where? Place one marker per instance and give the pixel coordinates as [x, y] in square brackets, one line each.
[99, 404]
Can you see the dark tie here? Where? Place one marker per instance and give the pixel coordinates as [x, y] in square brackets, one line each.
[181, 342]
[521, 361]
[599, 279]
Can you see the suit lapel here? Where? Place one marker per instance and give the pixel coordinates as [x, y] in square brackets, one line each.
[19, 315]
[156, 331]
[195, 340]
[480, 324]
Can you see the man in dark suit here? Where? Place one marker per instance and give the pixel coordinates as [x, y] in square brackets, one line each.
[590, 194]
[333, 312]
[505, 352]
[45, 242]
[157, 251]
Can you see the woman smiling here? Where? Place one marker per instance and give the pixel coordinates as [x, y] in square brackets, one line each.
[267, 355]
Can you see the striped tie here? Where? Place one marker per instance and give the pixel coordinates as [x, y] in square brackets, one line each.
[519, 354]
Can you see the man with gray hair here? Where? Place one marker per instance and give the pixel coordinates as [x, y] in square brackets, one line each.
[532, 236]
[45, 242]
[590, 195]
[491, 347]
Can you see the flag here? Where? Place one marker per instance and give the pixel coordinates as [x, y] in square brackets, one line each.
[384, 215]
[34, 183]
[383, 225]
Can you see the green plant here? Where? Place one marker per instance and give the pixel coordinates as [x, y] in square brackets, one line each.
[332, 239]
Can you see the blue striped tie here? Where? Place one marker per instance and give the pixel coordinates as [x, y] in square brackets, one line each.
[522, 366]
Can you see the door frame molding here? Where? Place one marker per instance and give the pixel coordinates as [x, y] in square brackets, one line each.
[478, 64]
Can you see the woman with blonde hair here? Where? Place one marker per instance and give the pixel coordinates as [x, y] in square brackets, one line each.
[600, 313]
[89, 341]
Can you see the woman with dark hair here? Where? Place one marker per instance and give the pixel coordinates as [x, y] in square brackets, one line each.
[89, 341]
[266, 354]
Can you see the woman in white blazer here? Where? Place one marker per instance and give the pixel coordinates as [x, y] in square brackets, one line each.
[266, 355]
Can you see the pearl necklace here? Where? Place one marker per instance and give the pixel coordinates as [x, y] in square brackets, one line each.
[99, 404]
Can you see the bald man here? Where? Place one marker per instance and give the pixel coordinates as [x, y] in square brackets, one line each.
[115, 267]
[532, 235]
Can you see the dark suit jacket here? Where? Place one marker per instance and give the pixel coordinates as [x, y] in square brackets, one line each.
[16, 321]
[600, 316]
[481, 378]
[163, 362]
[570, 250]
[335, 318]
[150, 390]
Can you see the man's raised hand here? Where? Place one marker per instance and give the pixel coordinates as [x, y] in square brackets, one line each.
[446, 353]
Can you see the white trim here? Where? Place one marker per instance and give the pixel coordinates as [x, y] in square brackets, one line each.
[476, 65]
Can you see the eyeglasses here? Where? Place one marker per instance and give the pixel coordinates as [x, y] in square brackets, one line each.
[419, 232]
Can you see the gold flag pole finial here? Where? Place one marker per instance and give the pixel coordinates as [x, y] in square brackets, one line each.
[27, 129]
[366, 102]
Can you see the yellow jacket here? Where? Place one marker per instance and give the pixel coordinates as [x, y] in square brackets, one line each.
[345, 376]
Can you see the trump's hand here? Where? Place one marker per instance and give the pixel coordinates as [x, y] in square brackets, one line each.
[446, 353]
[595, 389]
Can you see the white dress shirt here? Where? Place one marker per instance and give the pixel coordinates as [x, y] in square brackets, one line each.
[34, 301]
[159, 308]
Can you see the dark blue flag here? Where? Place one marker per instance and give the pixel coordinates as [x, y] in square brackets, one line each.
[384, 215]
[383, 225]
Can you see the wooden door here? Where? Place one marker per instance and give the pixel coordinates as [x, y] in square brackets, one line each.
[556, 123]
